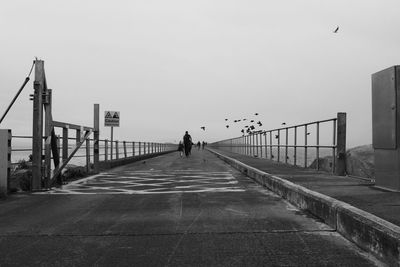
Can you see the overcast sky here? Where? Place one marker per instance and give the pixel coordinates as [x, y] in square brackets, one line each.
[169, 66]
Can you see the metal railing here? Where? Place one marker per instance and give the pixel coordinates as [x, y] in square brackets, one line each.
[298, 145]
[121, 150]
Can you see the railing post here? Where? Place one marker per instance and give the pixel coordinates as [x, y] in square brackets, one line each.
[65, 144]
[5, 160]
[116, 150]
[305, 146]
[96, 137]
[105, 150]
[140, 148]
[133, 149]
[88, 155]
[124, 143]
[59, 145]
[295, 146]
[341, 144]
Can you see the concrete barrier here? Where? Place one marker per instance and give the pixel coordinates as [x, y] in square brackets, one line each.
[371, 233]
[5, 161]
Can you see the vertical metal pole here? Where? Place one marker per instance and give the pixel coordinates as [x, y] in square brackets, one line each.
[334, 147]
[105, 150]
[265, 143]
[144, 148]
[140, 151]
[96, 137]
[279, 144]
[112, 141]
[37, 131]
[88, 155]
[317, 145]
[295, 146]
[59, 145]
[77, 137]
[133, 149]
[256, 147]
[116, 150]
[253, 145]
[341, 144]
[124, 144]
[286, 145]
[270, 144]
[305, 146]
[65, 144]
[261, 152]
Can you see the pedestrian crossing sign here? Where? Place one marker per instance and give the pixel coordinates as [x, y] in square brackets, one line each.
[111, 118]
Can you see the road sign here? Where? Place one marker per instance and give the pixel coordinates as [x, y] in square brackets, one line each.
[111, 118]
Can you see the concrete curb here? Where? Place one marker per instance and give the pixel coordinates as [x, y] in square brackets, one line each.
[373, 234]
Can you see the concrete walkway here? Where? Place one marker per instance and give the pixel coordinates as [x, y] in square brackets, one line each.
[366, 215]
[167, 211]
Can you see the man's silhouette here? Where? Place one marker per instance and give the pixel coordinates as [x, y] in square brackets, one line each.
[187, 142]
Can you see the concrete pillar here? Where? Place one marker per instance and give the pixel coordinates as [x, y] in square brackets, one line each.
[5, 160]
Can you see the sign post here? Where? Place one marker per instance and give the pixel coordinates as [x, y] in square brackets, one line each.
[111, 119]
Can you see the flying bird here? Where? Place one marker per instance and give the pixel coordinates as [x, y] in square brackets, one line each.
[252, 121]
[308, 133]
[277, 136]
[226, 119]
[283, 123]
[259, 123]
[227, 126]
[256, 114]
[203, 128]
[336, 30]
[244, 119]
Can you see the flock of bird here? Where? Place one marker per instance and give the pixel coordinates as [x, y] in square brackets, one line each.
[251, 129]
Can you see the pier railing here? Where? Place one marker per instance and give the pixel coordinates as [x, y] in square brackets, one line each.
[84, 156]
[300, 145]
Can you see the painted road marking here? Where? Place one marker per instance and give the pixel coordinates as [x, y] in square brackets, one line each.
[152, 182]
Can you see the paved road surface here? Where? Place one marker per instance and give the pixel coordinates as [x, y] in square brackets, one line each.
[167, 211]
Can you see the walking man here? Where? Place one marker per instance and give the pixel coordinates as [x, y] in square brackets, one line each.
[187, 142]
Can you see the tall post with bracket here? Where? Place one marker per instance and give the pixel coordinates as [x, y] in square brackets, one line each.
[37, 130]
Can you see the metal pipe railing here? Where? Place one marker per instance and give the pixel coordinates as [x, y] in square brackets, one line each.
[292, 143]
[130, 149]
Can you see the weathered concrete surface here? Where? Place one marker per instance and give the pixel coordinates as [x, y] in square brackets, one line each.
[167, 211]
[368, 231]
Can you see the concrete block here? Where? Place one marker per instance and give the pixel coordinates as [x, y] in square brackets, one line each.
[5, 160]
[373, 234]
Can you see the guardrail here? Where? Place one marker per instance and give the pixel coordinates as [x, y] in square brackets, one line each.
[121, 150]
[294, 144]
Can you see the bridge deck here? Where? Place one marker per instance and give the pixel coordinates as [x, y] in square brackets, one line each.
[167, 211]
[354, 191]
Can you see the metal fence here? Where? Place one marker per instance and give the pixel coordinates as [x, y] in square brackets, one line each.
[299, 145]
[21, 150]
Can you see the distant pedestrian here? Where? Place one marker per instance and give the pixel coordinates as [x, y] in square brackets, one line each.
[203, 145]
[180, 148]
[187, 142]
